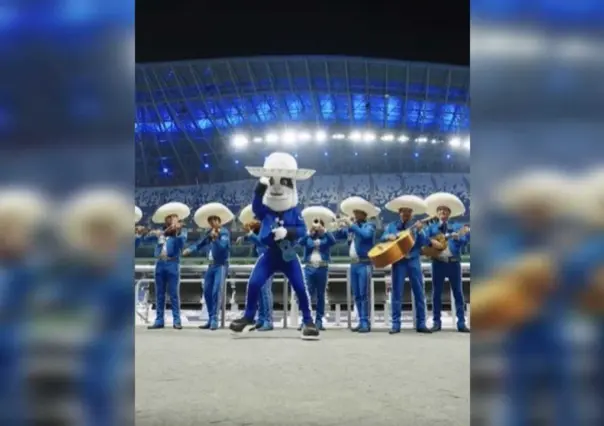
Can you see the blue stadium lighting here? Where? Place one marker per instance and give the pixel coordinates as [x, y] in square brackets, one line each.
[403, 139]
[236, 161]
[385, 154]
[206, 165]
[448, 156]
[356, 154]
[326, 154]
[165, 170]
[416, 155]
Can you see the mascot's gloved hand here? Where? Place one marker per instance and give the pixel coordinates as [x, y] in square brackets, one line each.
[262, 186]
[279, 233]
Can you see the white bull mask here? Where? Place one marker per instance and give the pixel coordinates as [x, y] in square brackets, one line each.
[281, 194]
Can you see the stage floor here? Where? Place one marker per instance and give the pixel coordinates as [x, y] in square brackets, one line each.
[195, 377]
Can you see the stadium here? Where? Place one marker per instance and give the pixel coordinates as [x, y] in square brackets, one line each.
[370, 128]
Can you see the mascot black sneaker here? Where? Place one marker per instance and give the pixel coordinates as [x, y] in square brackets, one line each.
[310, 332]
[242, 325]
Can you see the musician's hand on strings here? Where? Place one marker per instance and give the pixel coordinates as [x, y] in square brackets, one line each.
[391, 237]
[454, 235]
[419, 225]
[186, 252]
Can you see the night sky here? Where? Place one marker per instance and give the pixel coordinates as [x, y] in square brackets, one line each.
[431, 30]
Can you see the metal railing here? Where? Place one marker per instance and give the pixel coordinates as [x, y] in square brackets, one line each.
[142, 290]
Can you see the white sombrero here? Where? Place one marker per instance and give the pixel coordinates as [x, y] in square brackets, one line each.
[413, 202]
[106, 206]
[181, 210]
[138, 214]
[545, 188]
[246, 215]
[589, 191]
[444, 199]
[349, 205]
[22, 207]
[205, 212]
[318, 212]
[281, 164]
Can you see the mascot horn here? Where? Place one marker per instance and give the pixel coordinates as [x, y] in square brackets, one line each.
[274, 204]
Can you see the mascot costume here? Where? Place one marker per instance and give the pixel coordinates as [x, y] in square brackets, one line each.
[274, 204]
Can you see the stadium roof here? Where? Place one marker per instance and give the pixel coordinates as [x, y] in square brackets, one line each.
[189, 112]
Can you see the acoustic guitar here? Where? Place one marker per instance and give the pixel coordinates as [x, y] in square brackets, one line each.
[433, 252]
[389, 252]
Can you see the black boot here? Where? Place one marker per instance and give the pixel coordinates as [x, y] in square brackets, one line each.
[436, 327]
[177, 327]
[463, 329]
[155, 327]
[423, 329]
[242, 325]
[310, 332]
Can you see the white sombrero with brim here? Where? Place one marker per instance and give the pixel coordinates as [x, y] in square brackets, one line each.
[22, 207]
[589, 204]
[544, 188]
[444, 199]
[98, 206]
[318, 212]
[138, 214]
[413, 202]
[246, 215]
[349, 205]
[181, 210]
[283, 165]
[205, 212]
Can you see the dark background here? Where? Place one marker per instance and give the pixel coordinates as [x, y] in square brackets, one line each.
[430, 31]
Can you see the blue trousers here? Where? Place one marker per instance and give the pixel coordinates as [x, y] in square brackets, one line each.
[360, 282]
[411, 268]
[167, 277]
[316, 283]
[212, 289]
[266, 265]
[265, 303]
[452, 271]
[539, 364]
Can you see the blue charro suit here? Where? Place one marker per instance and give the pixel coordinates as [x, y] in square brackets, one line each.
[449, 267]
[316, 268]
[362, 235]
[215, 277]
[265, 305]
[137, 241]
[167, 274]
[280, 256]
[410, 266]
[538, 350]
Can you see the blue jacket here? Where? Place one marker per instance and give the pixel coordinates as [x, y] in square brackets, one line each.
[455, 246]
[363, 235]
[398, 226]
[259, 248]
[220, 247]
[269, 219]
[174, 245]
[137, 241]
[325, 243]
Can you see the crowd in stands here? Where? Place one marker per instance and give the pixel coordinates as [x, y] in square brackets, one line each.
[319, 190]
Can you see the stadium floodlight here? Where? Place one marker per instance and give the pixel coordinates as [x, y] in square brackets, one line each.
[321, 136]
[387, 137]
[466, 144]
[403, 138]
[257, 139]
[455, 142]
[304, 136]
[272, 138]
[355, 136]
[434, 141]
[240, 141]
[421, 139]
[289, 137]
[368, 136]
[339, 136]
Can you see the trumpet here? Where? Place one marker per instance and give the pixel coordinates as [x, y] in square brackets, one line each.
[343, 222]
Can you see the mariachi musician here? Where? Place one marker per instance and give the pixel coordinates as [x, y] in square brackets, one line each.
[251, 225]
[138, 237]
[317, 245]
[360, 234]
[217, 240]
[409, 266]
[169, 244]
[450, 239]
